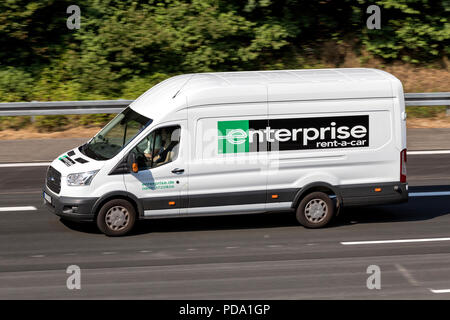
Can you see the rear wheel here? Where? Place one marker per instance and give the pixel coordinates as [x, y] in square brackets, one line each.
[315, 210]
[116, 217]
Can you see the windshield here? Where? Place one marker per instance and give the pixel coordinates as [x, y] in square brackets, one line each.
[115, 135]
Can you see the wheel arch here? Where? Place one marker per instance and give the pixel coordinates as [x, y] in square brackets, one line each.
[317, 186]
[118, 195]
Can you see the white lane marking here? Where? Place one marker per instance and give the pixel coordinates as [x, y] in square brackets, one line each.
[349, 243]
[231, 247]
[41, 164]
[145, 251]
[38, 256]
[25, 208]
[440, 291]
[408, 276]
[109, 252]
[425, 152]
[31, 164]
[429, 194]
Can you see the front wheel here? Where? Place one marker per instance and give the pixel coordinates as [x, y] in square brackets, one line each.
[315, 210]
[116, 217]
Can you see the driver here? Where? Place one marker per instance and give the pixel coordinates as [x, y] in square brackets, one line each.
[162, 141]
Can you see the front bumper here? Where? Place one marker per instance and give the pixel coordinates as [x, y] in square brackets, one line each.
[71, 208]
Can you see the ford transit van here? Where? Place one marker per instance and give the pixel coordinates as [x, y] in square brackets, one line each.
[306, 141]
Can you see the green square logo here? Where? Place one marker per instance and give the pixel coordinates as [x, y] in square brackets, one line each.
[233, 136]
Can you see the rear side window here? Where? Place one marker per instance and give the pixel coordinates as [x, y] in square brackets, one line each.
[160, 147]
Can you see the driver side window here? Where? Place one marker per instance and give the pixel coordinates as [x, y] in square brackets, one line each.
[160, 147]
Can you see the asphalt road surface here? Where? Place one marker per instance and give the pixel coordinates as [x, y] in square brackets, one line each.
[265, 256]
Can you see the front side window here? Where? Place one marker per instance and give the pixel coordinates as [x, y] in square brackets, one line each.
[160, 147]
[116, 135]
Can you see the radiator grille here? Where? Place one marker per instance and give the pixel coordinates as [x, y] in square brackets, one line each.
[53, 179]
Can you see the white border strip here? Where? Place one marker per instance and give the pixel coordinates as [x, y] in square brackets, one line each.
[26, 208]
[31, 164]
[349, 243]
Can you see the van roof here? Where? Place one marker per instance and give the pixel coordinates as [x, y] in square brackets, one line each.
[261, 86]
[295, 76]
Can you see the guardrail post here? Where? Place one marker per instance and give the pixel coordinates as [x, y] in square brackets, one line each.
[33, 118]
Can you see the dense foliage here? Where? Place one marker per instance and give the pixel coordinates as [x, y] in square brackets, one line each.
[124, 47]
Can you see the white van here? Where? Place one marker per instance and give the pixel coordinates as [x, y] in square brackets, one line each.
[306, 141]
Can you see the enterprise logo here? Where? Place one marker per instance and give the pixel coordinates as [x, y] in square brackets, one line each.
[235, 136]
[291, 134]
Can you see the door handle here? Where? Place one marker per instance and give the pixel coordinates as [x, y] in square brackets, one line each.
[177, 171]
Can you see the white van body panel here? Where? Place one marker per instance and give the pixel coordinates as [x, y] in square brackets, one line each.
[376, 163]
[210, 173]
[162, 100]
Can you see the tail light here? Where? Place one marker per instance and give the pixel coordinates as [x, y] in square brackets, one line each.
[403, 166]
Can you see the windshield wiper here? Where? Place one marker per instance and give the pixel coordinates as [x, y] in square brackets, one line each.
[82, 148]
[91, 153]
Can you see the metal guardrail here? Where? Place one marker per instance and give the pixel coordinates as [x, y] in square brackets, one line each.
[37, 108]
[115, 106]
[428, 99]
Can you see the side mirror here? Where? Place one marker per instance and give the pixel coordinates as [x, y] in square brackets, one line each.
[132, 163]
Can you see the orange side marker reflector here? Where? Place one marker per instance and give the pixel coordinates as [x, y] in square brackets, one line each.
[274, 196]
[377, 189]
[171, 203]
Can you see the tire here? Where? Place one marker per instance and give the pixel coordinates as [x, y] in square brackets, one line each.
[116, 218]
[315, 210]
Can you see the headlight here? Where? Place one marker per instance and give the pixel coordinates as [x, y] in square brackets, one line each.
[81, 178]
